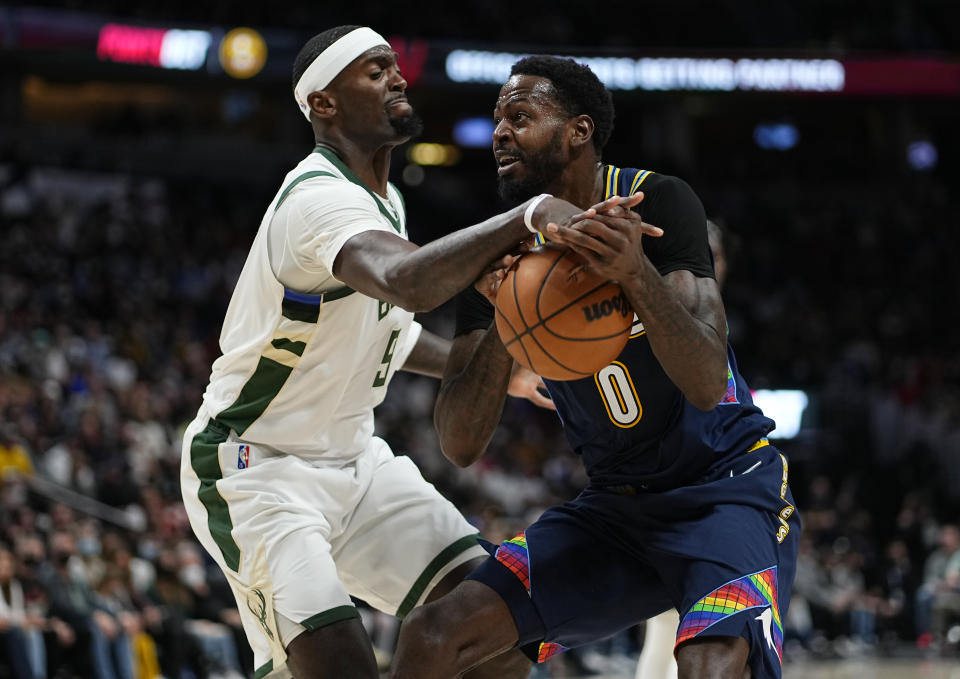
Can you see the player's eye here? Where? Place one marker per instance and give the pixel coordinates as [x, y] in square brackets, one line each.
[376, 75]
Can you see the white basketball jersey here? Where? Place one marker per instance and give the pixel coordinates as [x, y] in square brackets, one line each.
[301, 373]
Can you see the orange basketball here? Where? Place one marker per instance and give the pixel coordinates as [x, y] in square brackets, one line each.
[559, 320]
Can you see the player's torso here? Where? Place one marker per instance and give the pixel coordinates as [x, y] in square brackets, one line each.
[630, 422]
[302, 373]
[616, 418]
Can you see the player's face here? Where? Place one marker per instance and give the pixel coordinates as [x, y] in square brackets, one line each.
[528, 138]
[372, 99]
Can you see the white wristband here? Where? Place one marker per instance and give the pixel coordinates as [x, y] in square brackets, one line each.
[528, 214]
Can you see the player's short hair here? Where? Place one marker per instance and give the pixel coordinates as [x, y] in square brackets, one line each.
[578, 91]
[315, 46]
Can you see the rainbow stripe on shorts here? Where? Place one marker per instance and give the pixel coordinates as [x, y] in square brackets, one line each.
[513, 554]
[757, 591]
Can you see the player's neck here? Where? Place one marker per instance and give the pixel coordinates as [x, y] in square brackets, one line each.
[372, 166]
[580, 183]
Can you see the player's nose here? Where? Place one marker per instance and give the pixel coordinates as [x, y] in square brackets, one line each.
[398, 83]
[501, 132]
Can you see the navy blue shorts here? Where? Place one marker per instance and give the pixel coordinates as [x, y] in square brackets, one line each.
[723, 552]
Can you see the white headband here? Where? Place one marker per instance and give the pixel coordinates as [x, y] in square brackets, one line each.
[331, 61]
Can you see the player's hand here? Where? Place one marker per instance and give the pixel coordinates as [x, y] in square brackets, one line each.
[524, 383]
[491, 278]
[609, 238]
[614, 206]
[554, 210]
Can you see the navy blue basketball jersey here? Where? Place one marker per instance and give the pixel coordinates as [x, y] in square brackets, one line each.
[629, 422]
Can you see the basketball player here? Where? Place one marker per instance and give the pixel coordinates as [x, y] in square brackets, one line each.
[283, 481]
[688, 505]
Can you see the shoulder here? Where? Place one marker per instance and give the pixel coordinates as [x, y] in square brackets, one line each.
[665, 185]
[668, 195]
[323, 187]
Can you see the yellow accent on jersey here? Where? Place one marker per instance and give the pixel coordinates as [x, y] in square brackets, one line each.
[639, 179]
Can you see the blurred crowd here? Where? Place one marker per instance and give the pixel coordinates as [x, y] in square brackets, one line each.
[839, 24]
[112, 291]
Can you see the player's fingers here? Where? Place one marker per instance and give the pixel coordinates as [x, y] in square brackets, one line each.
[500, 264]
[539, 399]
[632, 200]
[608, 204]
[593, 260]
[600, 228]
[650, 229]
[588, 236]
[628, 222]
[588, 214]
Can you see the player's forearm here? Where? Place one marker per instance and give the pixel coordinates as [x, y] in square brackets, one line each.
[470, 402]
[691, 351]
[427, 277]
[428, 356]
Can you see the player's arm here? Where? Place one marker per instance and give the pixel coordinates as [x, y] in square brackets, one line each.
[479, 374]
[686, 326]
[472, 394]
[428, 356]
[389, 268]
[681, 312]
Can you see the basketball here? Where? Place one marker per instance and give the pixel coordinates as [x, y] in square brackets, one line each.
[559, 320]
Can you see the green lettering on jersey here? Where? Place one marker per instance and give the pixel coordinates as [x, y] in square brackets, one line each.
[383, 309]
[384, 372]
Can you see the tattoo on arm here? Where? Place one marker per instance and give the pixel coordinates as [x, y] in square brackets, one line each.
[472, 395]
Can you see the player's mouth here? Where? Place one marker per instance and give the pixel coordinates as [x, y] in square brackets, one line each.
[396, 103]
[507, 162]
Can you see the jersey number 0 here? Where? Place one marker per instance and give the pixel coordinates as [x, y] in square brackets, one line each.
[619, 395]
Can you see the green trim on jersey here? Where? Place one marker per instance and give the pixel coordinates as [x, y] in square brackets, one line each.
[301, 311]
[303, 177]
[339, 293]
[352, 177]
[289, 345]
[338, 614]
[205, 460]
[262, 387]
[439, 561]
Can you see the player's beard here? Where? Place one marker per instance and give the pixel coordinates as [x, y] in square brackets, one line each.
[409, 125]
[543, 168]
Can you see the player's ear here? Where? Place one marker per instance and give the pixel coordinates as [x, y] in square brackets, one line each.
[581, 131]
[323, 104]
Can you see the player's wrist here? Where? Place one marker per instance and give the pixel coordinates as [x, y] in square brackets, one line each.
[532, 206]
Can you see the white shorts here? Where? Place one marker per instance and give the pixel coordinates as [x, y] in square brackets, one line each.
[296, 540]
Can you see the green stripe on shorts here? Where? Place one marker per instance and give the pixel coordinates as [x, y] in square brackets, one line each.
[205, 460]
[439, 561]
[264, 669]
[338, 614]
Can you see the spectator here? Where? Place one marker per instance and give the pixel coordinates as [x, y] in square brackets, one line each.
[936, 588]
[21, 637]
[946, 597]
[73, 601]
